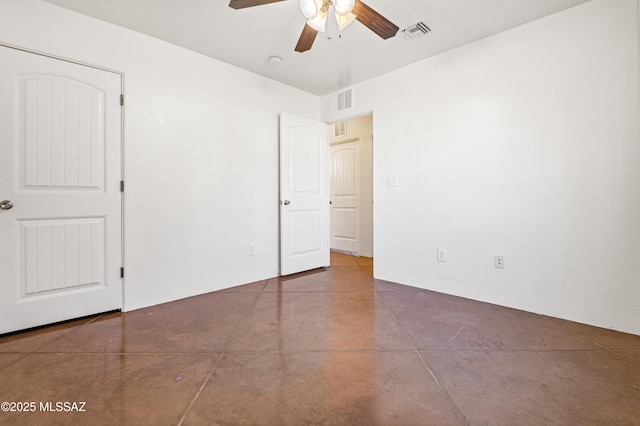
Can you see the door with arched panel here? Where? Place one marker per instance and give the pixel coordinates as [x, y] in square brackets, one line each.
[60, 170]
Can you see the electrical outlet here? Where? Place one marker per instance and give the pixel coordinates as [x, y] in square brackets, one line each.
[498, 261]
[441, 255]
[251, 250]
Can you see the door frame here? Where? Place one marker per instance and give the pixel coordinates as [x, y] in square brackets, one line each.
[122, 137]
[353, 117]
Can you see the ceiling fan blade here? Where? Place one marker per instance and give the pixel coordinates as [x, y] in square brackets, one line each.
[374, 21]
[241, 4]
[306, 39]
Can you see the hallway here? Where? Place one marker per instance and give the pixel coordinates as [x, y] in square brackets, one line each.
[328, 347]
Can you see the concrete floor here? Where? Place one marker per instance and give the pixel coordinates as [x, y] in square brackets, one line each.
[330, 347]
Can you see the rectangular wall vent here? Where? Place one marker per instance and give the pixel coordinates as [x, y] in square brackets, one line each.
[345, 99]
[416, 31]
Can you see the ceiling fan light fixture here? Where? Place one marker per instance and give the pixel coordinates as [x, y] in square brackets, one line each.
[343, 7]
[344, 20]
[309, 8]
[319, 22]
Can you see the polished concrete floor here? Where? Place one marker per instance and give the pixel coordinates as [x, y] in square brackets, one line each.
[332, 347]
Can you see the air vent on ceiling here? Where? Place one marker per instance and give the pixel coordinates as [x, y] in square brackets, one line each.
[416, 31]
[345, 99]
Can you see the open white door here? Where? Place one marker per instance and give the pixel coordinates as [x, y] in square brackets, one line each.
[304, 195]
[60, 171]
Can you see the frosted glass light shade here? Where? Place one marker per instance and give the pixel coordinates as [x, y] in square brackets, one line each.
[344, 21]
[343, 7]
[319, 22]
[309, 8]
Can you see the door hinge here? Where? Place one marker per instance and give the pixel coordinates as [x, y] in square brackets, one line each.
[121, 99]
[121, 272]
[121, 186]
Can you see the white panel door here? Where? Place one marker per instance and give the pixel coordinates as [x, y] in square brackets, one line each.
[304, 195]
[345, 196]
[60, 167]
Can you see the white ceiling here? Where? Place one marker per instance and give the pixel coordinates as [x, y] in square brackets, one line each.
[248, 37]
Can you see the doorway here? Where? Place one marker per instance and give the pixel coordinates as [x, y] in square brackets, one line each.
[351, 186]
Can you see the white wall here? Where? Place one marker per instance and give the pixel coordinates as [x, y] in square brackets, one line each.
[364, 127]
[201, 153]
[524, 144]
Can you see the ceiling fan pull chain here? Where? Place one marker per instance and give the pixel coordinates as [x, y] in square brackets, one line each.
[330, 22]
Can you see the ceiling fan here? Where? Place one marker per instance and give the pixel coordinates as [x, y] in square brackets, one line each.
[319, 14]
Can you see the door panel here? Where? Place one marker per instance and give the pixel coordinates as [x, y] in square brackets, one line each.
[62, 126]
[304, 193]
[60, 255]
[345, 196]
[60, 165]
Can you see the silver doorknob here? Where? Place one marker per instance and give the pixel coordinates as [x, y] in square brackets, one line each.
[6, 205]
[286, 202]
